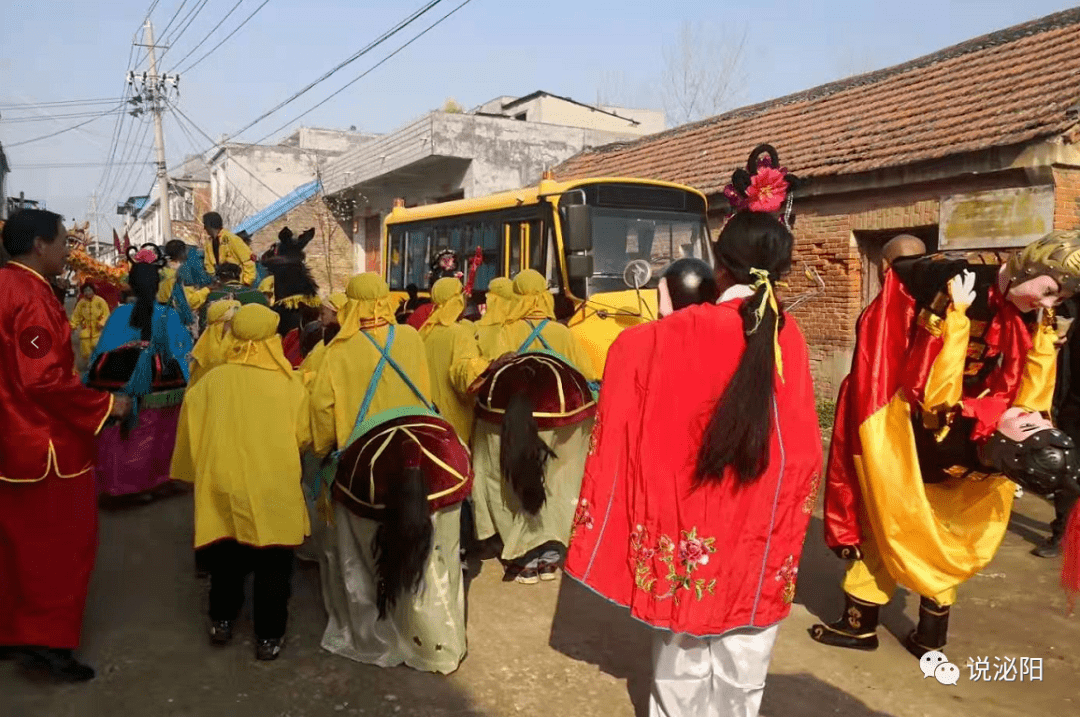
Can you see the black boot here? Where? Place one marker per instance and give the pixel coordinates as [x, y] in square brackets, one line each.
[61, 664]
[857, 629]
[932, 631]
[1050, 549]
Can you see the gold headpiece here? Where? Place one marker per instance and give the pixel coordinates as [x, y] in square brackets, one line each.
[1056, 255]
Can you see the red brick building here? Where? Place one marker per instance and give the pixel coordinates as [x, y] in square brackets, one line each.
[973, 147]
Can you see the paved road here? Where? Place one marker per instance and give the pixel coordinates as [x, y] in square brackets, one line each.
[551, 649]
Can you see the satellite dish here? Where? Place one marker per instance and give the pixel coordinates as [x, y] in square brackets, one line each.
[637, 273]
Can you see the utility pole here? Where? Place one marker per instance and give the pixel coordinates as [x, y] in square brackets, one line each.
[153, 92]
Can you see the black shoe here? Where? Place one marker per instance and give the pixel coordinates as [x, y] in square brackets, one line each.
[1050, 549]
[856, 630]
[8, 653]
[268, 649]
[932, 631]
[61, 664]
[221, 632]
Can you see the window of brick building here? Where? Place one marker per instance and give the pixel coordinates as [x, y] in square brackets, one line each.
[870, 245]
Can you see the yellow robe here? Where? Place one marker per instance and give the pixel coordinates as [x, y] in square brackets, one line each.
[89, 318]
[195, 297]
[233, 251]
[454, 359]
[239, 439]
[561, 340]
[347, 366]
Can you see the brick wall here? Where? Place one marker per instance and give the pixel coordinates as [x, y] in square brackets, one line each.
[331, 241]
[1066, 198]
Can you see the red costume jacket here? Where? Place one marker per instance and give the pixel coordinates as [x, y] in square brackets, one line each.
[48, 418]
[702, 561]
[894, 351]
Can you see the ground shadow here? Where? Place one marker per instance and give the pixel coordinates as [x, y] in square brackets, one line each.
[804, 695]
[819, 589]
[1031, 530]
[589, 628]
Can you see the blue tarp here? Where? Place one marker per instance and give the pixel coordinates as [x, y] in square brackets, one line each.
[278, 209]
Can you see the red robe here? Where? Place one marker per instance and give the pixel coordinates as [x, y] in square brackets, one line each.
[48, 500]
[724, 556]
[420, 315]
[893, 352]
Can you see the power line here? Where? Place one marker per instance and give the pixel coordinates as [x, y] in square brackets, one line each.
[366, 72]
[207, 36]
[52, 118]
[215, 47]
[62, 131]
[60, 103]
[371, 46]
[71, 165]
[171, 42]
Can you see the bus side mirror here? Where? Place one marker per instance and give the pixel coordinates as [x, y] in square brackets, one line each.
[577, 229]
[579, 266]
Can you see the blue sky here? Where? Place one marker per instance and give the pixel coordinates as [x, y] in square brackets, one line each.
[80, 50]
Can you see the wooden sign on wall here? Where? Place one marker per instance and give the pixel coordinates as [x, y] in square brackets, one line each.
[1003, 218]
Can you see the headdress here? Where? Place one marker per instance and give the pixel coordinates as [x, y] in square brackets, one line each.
[500, 302]
[255, 340]
[147, 254]
[533, 298]
[1056, 255]
[369, 307]
[763, 186]
[449, 302]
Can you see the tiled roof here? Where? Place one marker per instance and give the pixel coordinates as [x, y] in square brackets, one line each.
[279, 208]
[1006, 88]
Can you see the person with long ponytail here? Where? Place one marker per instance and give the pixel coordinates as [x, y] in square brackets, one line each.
[143, 352]
[389, 556]
[704, 468]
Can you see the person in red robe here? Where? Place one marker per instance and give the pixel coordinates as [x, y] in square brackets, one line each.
[700, 481]
[48, 498]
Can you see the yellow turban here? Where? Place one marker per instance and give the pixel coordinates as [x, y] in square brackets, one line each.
[221, 311]
[500, 302]
[534, 301]
[369, 304]
[255, 339]
[267, 285]
[449, 302]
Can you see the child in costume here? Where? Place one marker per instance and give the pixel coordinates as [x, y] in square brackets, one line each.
[88, 318]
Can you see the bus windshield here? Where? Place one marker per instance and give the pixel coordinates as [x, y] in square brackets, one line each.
[620, 236]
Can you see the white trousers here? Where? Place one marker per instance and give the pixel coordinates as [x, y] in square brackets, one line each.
[711, 677]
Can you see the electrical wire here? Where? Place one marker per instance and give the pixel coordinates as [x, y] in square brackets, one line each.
[357, 55]
[213, 49]
[60, 104]
[171, 42]
[50, 118]
[95, 118]
[207, 36]
[366, 72]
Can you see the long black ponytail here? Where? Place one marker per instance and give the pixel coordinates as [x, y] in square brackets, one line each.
[404, 538]
[741, 424]
[143, 280]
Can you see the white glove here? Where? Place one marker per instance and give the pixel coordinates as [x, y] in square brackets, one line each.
[962, 290]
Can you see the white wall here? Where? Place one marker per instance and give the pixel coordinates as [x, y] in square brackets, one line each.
[244, 179]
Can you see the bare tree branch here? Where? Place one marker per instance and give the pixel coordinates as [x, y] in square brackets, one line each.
[703, 72]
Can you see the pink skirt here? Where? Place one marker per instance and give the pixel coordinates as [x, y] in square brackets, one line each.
[141, 462]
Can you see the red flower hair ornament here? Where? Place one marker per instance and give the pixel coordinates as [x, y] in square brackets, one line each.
[763, 186]
[147, 254]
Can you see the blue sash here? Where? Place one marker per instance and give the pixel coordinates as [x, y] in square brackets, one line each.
[534, 336]
[385, 360]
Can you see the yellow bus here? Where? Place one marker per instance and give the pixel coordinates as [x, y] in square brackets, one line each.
[601, 243]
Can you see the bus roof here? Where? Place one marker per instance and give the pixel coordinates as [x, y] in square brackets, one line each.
[515, 198]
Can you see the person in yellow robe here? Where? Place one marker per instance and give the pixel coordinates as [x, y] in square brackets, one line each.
[224, 247]
[212, 347]
[453, 356]
[88, 318]
[490, 329]
[426, 631]
[176, 251]
[532, 545]
[249, 507]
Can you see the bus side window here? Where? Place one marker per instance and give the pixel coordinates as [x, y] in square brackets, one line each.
[396, 265]
[538, 254]
[418, 257]
[516, 231]
[488, 236]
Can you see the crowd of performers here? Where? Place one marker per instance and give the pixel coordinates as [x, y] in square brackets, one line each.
[380, 438]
